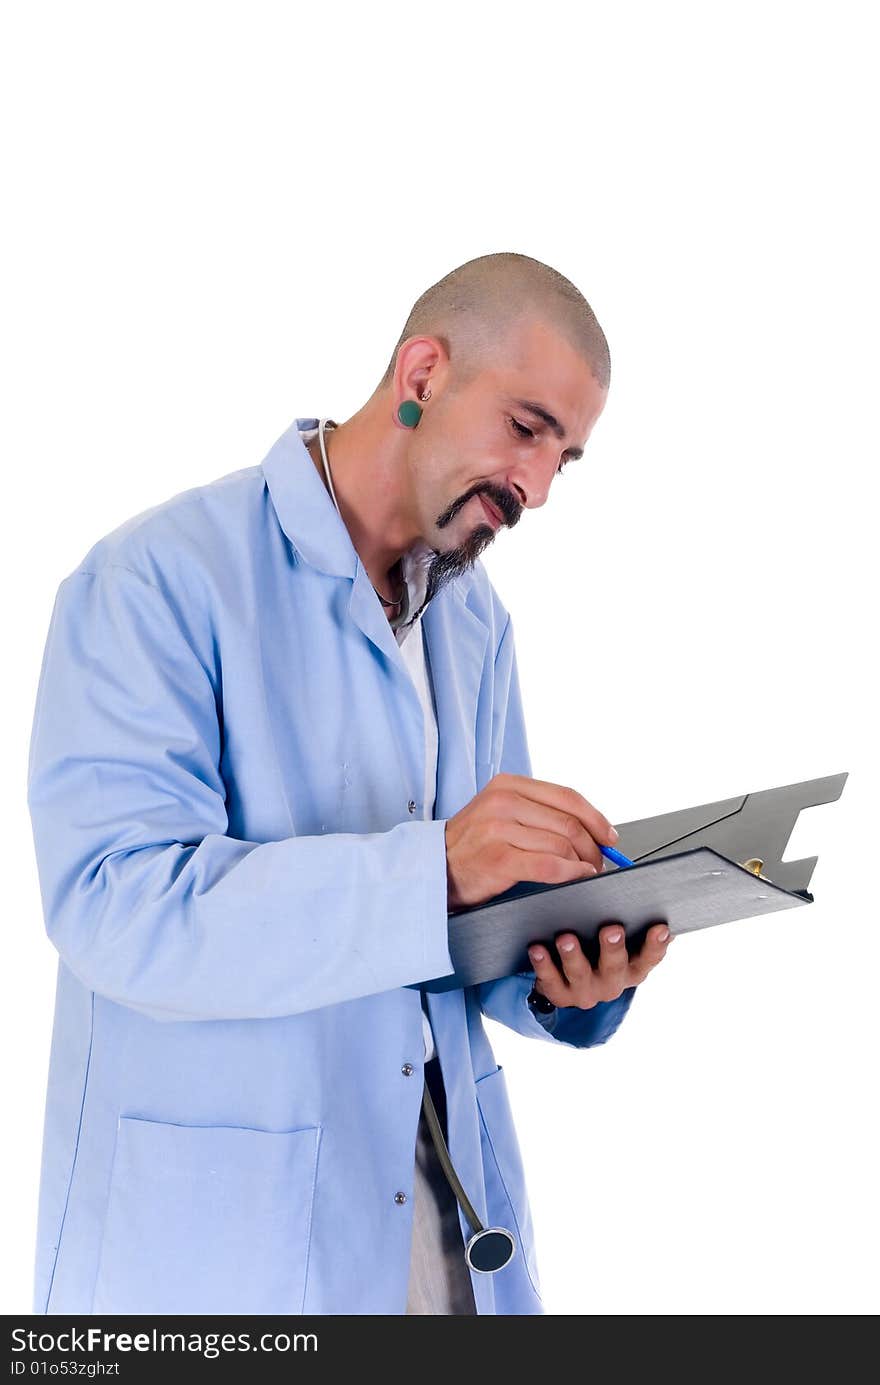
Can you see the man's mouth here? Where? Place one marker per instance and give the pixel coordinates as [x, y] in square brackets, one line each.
[494, 515]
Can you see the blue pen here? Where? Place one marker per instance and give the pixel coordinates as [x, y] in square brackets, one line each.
[616, 856]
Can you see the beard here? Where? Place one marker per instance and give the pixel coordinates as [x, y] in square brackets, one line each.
[445, 567]
[448, 565]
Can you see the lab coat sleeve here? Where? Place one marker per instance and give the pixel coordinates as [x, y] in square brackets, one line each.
[505, 1000]
[145, 896]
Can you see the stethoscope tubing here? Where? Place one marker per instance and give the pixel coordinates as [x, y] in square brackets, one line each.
[448, 1167]
[489, 1236]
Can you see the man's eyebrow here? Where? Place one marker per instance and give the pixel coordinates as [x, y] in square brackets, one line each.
[553, 423]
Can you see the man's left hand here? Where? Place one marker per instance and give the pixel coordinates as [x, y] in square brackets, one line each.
[580, 983]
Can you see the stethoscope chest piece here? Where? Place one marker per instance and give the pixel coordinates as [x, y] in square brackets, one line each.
[490, 1249]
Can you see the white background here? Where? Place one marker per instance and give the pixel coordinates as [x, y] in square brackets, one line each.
[218, 218]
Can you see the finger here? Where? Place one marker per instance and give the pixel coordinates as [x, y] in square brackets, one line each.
[564, 800]
[548, 868]
[548, 978]
[575, 966]
[533, 838]
[517, 815]
[652, 951]
[613, 968]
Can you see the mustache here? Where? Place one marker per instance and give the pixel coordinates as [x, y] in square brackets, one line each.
[504, 503]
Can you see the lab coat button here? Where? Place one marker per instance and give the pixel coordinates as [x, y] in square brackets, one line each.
[407, 1069]
[400, 1198]
[411, 805]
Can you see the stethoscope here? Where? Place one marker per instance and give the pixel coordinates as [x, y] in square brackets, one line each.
[490, 1248]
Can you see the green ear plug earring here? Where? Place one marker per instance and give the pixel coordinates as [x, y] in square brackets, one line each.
[409, 412]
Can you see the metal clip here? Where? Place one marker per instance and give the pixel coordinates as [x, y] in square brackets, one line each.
[754, 864]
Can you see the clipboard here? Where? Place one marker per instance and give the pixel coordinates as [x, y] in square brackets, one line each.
[692, 869]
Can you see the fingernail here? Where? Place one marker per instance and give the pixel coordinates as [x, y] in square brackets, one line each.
[567, 946]
[536, 954]
[614, 936]
[663, 935]
[614, 834]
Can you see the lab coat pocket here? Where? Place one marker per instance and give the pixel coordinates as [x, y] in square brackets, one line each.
[506, 1194]
[207, 1219]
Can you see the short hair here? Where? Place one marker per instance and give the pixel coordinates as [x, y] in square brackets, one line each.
[474, 307]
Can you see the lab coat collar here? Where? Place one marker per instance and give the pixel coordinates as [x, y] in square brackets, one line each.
[456, 636]
[304, 507]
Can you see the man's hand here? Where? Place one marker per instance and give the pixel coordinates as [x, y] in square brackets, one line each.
[517, 828]
[581, 984]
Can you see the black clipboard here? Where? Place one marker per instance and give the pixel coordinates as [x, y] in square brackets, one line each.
[693, 869]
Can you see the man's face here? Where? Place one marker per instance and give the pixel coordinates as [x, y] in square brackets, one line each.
[483, 441]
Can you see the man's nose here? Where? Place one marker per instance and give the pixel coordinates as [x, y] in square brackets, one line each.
[530, 481]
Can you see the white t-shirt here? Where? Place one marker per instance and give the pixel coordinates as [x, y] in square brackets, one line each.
[411, 638]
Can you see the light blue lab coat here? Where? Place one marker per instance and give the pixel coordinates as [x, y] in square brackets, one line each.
[226, 786]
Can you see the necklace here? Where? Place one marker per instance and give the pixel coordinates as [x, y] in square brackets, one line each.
[321, 424]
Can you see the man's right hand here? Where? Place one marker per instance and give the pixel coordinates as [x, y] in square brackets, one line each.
[516, 829]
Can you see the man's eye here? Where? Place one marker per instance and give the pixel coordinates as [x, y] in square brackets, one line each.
[525, 432]
[522, 430]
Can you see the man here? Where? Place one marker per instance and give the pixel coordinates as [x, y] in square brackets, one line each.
[246, 860]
